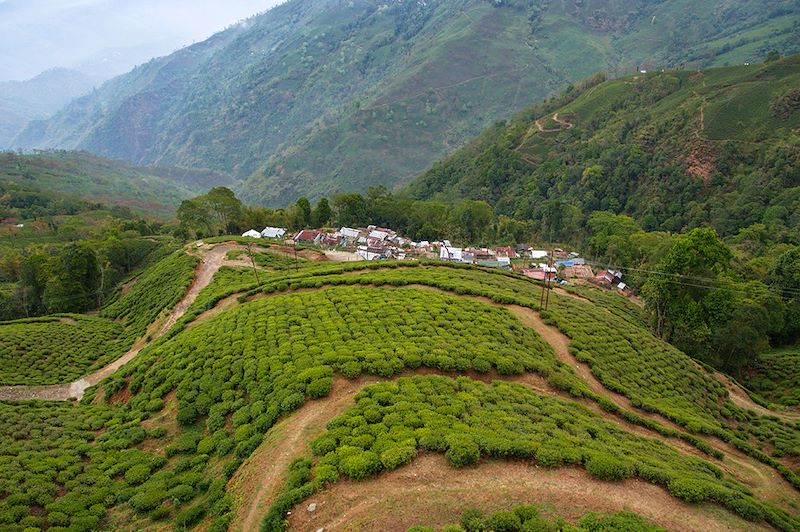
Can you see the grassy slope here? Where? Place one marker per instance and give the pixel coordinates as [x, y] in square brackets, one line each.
[155, 191]
[322, 96]
[656, 123]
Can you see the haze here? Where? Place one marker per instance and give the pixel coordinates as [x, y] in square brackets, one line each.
[103, 38]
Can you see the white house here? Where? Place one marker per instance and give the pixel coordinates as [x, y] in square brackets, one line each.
[252, 233]
[273, 232]
[378, 235]
[538, 253]
[368, 253]
[349, 232]
[449, 253]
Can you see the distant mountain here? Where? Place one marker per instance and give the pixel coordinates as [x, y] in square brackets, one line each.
[675, 150]
[38, 98]
[317, 96]
[152, 190]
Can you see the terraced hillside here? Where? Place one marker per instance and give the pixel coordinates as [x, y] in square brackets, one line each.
[389, 395]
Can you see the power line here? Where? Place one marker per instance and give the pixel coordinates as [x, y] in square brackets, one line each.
[707, 282]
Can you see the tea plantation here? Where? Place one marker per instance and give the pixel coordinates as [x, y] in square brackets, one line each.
[154, 445]
[56, 349]
[466, 420]
[776, 376]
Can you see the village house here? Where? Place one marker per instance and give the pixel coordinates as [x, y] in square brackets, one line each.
[252, 233]
[273, 232]
[308, 236]
[506, 251]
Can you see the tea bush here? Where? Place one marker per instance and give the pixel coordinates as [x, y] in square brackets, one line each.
[57, 349]
[466, 419]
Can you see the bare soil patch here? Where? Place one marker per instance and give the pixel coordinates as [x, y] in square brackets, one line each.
[430, 491]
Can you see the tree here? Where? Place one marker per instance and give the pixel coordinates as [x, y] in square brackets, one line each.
[322, 213]
[303, 213]
[695, 302]
[217, 212]
[350, 209]
[471, 220]
[74, 281]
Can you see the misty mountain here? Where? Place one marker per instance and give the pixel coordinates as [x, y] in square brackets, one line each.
[320, 96]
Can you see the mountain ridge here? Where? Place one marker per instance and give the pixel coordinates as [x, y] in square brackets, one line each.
[317, 97]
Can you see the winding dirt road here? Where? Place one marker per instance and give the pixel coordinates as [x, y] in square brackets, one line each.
[211, 261]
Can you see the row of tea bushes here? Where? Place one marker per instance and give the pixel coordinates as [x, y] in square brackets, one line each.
[528, 518]
[466, 420]
[57, 349]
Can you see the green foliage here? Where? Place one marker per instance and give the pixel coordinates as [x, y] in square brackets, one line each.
[160, 286]
[54, 179]
[505, 420]
[56, 349]
[632, 154]
[775, 375]
[360, 115]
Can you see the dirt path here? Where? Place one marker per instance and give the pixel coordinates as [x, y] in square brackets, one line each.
[565, 124]
[428, 491]
[261, 477]
[211, 261]
[740, 398]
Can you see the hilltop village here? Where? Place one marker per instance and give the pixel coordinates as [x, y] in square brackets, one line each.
[381, 243]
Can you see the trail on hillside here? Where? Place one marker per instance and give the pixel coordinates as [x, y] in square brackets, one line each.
[429, 491]
[210, 262]
[740, 398]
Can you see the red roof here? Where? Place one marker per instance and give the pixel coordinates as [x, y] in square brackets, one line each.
[307, 235]
[506, 251]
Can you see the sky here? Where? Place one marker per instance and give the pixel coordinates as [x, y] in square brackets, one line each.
[107, 37]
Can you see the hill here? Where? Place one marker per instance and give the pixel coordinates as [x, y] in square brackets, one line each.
[38, 98]
[304, 393]
[673, 149]
[152, 191]
[320, 96]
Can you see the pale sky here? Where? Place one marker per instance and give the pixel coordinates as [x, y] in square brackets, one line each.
[36, 35]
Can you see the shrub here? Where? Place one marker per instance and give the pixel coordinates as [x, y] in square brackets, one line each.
[359, 464]
[462, 450]
[607, 467]
[319, 388]
[688, 490]
[147, 500]
[137, 474]
[503, 522]
[472, 520]
[190, 516]
[396, 456]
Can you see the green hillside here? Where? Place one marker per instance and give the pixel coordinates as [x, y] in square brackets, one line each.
[32, 178]
[267, 400]
[319, 96]
[673, 149]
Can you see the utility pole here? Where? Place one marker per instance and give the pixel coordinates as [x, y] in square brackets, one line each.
[547, 278]
[541, 299]
[250, 253]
